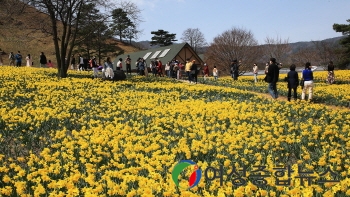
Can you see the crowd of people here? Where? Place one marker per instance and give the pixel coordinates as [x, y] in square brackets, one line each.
[191, 69]
[306, 80]
[173, 70]
[17, 59]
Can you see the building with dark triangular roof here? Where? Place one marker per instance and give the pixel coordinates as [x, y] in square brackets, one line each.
[166, 54]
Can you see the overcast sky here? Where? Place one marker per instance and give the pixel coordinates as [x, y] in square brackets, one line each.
[295, 20]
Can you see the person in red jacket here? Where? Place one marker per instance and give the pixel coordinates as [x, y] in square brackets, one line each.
[159, 67]
[94, 66]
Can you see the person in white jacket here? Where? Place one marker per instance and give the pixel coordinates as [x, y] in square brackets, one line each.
[255, 72]
[108, 69]
[29, 60]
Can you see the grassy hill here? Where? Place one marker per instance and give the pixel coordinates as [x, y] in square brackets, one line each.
[25, 30]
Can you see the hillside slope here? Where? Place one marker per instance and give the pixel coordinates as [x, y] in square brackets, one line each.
[25, 31]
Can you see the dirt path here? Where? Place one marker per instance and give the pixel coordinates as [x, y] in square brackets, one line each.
[283, 98]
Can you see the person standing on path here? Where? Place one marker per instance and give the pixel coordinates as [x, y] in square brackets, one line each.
[43, 60]
[255, 72]
[215, 73]
[81, 63]
[72, 63]
[206, 71]
[234, 69]
[272, 78]
[330, 77]
[29, 60]
[18, 58]
[194, 71]
[128, 65]
[12, 59]
[188, 69]
[308, 77]
[94, 66]
[293, 82]
[119, 64]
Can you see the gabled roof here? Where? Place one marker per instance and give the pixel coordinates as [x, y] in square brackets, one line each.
[167, 53]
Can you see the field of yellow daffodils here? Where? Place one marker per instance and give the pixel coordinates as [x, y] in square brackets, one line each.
[157, 137]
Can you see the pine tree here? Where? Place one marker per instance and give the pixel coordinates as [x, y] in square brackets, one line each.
[121, 22]
[345, 42]
[162, 38]
[95, 37]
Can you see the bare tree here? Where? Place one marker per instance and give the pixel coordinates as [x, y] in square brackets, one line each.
[303, 55]
[12, 7]
[65, 18]
[277, 48]
[326, 51]
[130, 33]
[194, 37]
[232, 44]
[16, 30]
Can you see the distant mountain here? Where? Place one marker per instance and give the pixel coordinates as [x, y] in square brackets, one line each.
[294, 46]
[297, 45]
[144, 45]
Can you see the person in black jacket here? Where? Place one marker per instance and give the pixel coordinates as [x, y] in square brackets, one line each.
[43, 60]
[272, 78]
[293, 82]
[234, 69]
[72, 62]
[194, 71]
